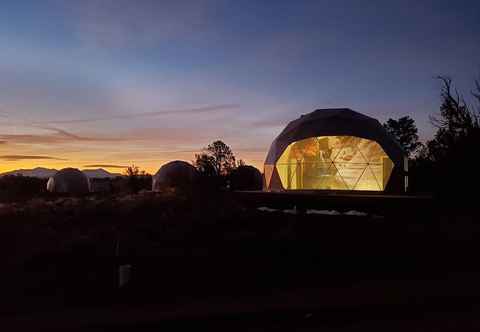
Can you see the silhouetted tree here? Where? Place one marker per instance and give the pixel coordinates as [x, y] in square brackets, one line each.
[217, 159]
[448, 163]
[476, 94]
[214, 165]
[455, 122]
[205, 164]
[137, 179]
[405, 132]
[132, 171]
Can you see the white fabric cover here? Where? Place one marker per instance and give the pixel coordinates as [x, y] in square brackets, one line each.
[69, 181]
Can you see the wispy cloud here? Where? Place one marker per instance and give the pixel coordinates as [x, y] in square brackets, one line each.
[252, 149]
[280, 117]
[74, 137]
[17, 157]
[3, 142]
[57, 137]
[269, 123]
[3, 114]
[123, 23]
[64, 133]
[104, 166]
[198, 110]
[33, 138]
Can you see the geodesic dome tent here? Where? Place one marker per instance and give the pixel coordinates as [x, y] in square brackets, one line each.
[335, 149]
[175, 174]
[246, 178]
[69, 181]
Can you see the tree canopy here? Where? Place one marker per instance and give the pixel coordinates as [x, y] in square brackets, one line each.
[217, 159]
[447, 164]
[137, 179]
[405, 132]
[455, 122]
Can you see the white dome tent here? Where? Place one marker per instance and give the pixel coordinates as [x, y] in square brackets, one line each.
[69, 181]
[335, 149]
[174, 174]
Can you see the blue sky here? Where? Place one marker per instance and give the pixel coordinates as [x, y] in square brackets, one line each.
[119, 82]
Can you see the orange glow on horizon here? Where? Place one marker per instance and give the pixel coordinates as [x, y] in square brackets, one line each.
[150, 166]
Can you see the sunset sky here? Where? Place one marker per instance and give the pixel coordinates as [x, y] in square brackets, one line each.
[109, 83]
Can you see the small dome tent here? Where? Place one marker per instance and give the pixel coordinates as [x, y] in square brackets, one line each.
[175, 174]
[69, 181]
[246, 178]
[335, 149]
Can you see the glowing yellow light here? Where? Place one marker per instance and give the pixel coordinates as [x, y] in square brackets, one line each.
[334, 163]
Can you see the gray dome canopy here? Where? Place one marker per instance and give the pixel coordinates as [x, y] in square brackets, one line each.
[246, 178]
[174, 174]
[330, 128]
[69, 181]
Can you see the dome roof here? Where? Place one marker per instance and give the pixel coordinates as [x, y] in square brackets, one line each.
[334, 149]
[335, 122]
[69, 180]
[174, 174]
[246, 178]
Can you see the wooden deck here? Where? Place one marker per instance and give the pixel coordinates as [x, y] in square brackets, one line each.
[363, 201]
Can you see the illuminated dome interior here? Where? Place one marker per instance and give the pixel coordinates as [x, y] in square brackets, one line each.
[335, 149]
[334, 163]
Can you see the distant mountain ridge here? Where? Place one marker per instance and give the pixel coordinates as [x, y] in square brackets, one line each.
[100, 173]
[41, 172]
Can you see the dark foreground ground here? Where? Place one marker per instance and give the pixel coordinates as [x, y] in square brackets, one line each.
[216, 262]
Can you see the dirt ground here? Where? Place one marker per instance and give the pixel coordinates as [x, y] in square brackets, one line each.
[215, 262]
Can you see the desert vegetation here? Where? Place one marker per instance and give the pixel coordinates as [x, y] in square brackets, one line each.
[15, 188]
[66, 252]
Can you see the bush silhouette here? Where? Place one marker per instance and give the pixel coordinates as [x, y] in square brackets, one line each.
[18, 187]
